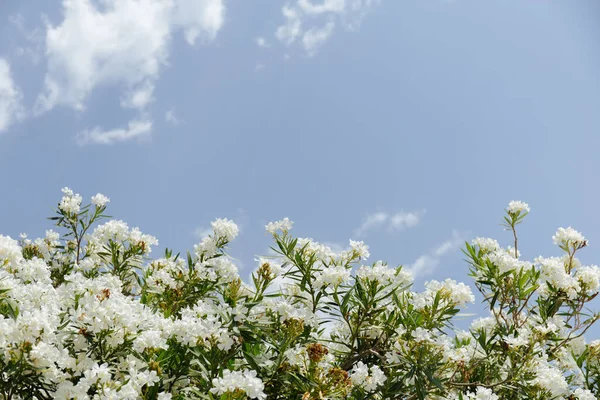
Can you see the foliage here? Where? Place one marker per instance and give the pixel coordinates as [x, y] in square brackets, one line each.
[89, 315]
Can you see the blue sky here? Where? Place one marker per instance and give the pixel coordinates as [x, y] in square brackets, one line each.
[422, 119]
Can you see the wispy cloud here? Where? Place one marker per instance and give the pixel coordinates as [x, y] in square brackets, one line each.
[202, 232]
[135, 129]
[370, 222]
[315, 37]
[34, 39]
[11, 108]
[383, 220]
[427, 263]
[289, 32]
[262, 42]
[172, 118]
[403, 220]
[303, 20]
[139, 97]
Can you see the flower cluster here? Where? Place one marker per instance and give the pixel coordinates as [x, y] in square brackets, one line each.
[86, 313]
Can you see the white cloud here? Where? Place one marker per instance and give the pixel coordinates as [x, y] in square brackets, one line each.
[172, 118]
[427, 263]
[11, 108]
[122, 43]
[307, 12]
[398, 221]
[371, 221]
[34, 39]
[289, 32]
[135, 129]
[404, 220]
[201, 232]
[262, 42]
[315, 37]
[140, 97]
[449, 245]
[199, 18]
[424, 265]
[357, 10]
[334, 6]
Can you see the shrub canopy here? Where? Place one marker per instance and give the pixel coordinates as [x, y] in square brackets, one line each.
[86, 313]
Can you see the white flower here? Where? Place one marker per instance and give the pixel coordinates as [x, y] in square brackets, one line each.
[67, 323]
[383, 274]
[220, 268]
[239, 380]
[320, 251]
[516, 206]
[568, 237]
[482, 394]
[333, 275]
[486, 324]
[584, 394]
[505, 261]
[459, 293]
[274, 265]
[519, 339]
[207, 247]
[150, 339]
[100, 200]
[360, 248]
[225, 269]
[589, 278]
[70, 203]
[100, 372]
[119, 232]
[553, 271]
[34, 270]
[449, 290]
[376, 379]
[551, 379]
[422, 335]
[286, 310]
[486, 244]
[9, 250]
[225, 228]
[283, 225]
[296, 356]
[359, 375]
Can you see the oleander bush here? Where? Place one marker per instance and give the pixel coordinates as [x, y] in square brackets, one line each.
[86, 313]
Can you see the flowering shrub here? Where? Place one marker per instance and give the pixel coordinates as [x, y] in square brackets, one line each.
[87, 314]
